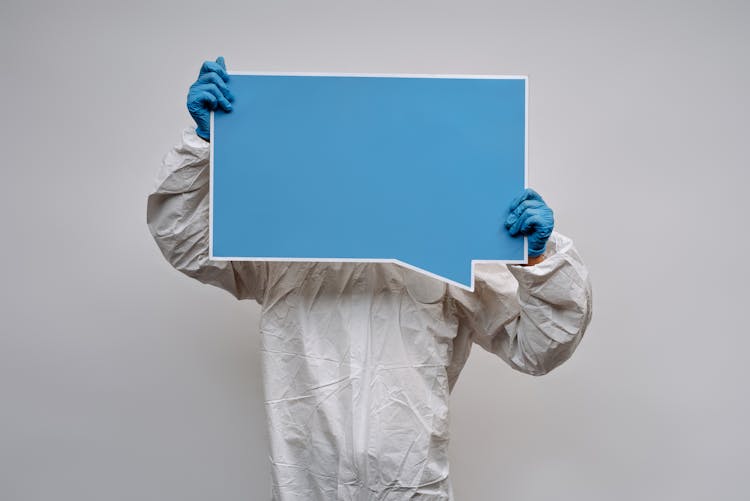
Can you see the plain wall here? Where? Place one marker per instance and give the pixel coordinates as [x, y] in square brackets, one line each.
[121, 379]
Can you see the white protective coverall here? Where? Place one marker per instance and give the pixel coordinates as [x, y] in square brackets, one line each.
[359, 358]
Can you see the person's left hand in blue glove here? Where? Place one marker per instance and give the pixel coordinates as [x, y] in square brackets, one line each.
[530, 216]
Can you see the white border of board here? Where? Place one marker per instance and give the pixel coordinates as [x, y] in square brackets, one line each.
[525, 78]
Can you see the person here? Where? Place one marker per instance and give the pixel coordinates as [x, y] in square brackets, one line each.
[359, 359]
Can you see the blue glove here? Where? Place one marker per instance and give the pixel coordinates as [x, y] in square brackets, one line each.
[208, 93]
[530, 216]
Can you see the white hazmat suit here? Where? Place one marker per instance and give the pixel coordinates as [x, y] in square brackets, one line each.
[359, 358]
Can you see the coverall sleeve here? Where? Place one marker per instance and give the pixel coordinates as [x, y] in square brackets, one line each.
[536, 321]
[177, 216]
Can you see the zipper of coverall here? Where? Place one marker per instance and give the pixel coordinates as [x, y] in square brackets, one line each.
[364, 410]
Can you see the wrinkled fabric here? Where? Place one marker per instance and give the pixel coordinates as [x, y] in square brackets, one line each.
[359, 358]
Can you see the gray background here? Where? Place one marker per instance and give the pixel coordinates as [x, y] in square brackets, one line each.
[121, 379]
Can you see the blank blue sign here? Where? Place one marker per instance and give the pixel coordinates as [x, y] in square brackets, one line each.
[409, 169]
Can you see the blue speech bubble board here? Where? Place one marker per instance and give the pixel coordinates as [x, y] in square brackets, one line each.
[413, 169]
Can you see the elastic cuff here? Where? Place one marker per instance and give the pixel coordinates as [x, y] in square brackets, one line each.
[192, 140]
[554, 254]
[206, 137]
[537, 254]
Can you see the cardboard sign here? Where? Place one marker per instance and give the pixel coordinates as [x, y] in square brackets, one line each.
[413, 169]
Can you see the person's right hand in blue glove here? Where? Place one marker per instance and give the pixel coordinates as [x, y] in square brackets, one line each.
[208, 93]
